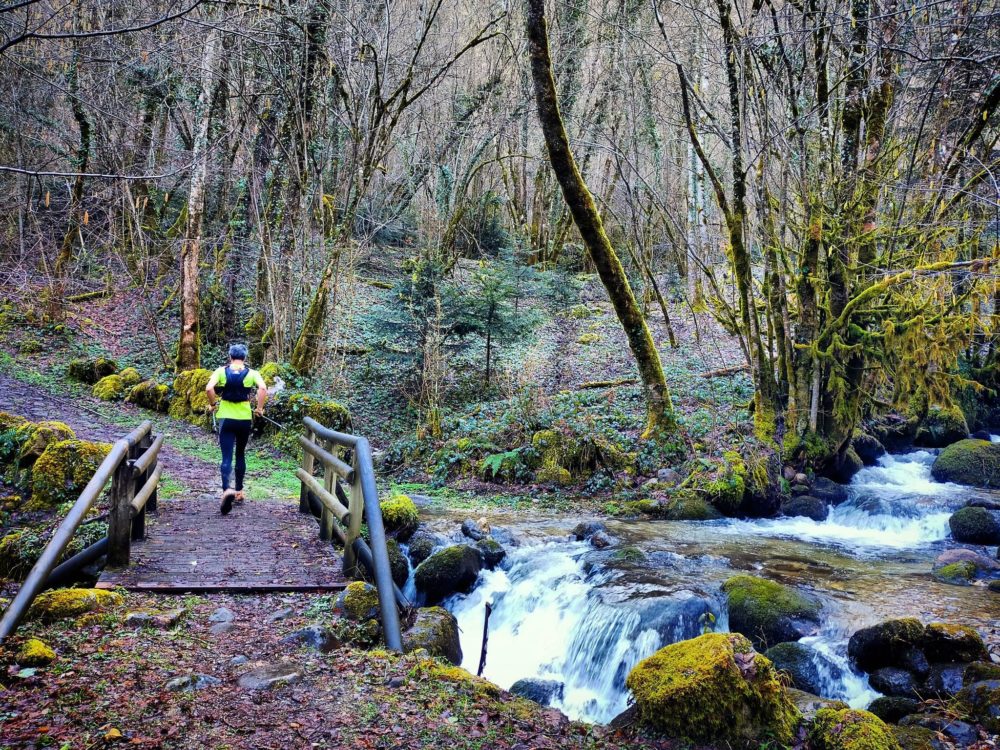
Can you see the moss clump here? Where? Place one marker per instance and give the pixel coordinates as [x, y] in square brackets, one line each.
[580, 312]
[63, 470]
[981, 700]
[916, 738]
[960, 573]
[400, 516]
[110, 388]
[554, 475]
[62, 603]
[293, 409]
[972, 462]
[35, 438]
[270, 371]
[21, 548]
[850, 729]
[150, 395]
[10, 432]
[713, 688]
[975, 526]
[948, 642]
[724, 485]
[91, 369]
[767, 612]
[130, 377]
[645, 507]
[687, 506]
[586, 339]
[981, 670]
[189, 401]
[431, 669]
[358, 602]
[35, 653]
[10, 421]
[943, 425]
[397, 562]
[436, 631]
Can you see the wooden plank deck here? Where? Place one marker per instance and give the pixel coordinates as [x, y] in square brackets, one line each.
[263, 545]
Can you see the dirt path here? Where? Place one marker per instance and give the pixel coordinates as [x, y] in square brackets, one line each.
[81, 413]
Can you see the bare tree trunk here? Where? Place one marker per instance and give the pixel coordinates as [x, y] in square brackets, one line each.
[659, 409]
[189, 345]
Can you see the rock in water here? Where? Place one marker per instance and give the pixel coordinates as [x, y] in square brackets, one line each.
[885, 644]
[973, 462]
[472, 530]
[868, 448]
[891, 709]
[796, 660]
[714, 688]
[769, 613]
[895, 681]
[586, 529]
[435, 630]
[849, 729]
[944, 642]
[542, 692]
[492, 552]
[829, 491]
[806, 505]
[448, 571]
[975, 526]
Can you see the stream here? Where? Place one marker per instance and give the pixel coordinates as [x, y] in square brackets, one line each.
[565, 611]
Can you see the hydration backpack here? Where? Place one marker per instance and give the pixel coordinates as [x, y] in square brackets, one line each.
[234, 390]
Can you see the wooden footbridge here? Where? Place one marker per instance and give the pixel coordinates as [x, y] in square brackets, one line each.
[189, 546]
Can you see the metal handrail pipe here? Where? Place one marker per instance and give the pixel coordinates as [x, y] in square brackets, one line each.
[35, 581]
[67, 568]
[143, 462]
[342, 469]
[321, 494]
[380, 554]
[143, 495]
[341, 438]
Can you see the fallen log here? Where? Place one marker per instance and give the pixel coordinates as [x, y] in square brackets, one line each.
[726, 371]
[606, 383]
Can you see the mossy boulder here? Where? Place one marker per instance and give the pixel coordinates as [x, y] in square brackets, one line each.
[713, 689]
[492, 552]
[724, 485]
[562, 455]
[189, 401]
[981, 670]
[397, 562]
[150, 395]
[917, 738]
[890, 708]
[975, 525]
[34, 438]
[961, 573]
[20, 548]
[972, 462]
[868, 448]
[554, 475]
[448, 571]
[887, 644]
[942, 426]
[796, 660]
[422, 544]
[291, 409]
[10, 436]
[110, 388]
[951, 643]
[60, 604]
[844, 466]
[358, 602]
[850, 729]
[807, 506]
[435, 629]
[768, 612]
[400, 516]
[271, 371]
[981, 700]
[35, 653]
[91, 369]
[63, 470]
[130, 377]
[687, 506]
[10, 422]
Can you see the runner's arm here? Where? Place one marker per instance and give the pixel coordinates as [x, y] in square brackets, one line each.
[262, 393]
[210, 391]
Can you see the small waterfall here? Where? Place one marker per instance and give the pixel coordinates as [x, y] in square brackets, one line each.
[895, 504]
[550, 621]
[837, 679]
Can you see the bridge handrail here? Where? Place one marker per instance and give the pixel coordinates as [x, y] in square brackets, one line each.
[361, 503]
[132, 467]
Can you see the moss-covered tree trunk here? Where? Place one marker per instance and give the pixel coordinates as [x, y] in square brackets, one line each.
[659, 409]
[189, 344]
[76, 212]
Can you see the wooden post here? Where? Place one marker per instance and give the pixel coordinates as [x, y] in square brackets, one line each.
[329, 480]
[307, 466]
[120, 515]
[356, 509]
[151, 503]
[138, 480]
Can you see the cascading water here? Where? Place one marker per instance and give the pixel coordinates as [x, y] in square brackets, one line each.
[551, 621]
[895, 504]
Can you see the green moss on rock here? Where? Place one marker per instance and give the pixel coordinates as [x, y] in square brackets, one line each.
[724, 485]
[952, 643]
[917, 738]
[960, 573]
[35, 653]
[150, 395]
[292, 409]
[850, 729]
[270, 371]
[400, 516]
[975, 525]
[451, 570]
[397, 562]
[63, 470]
[358, 602]
[59, 604]
[435, 630]
[35, 438]
[972, 462]
[91, 369]
[189, 401]
[130, 377]
[943, 425]
[715, 689]
[768, 612]
[110, 388]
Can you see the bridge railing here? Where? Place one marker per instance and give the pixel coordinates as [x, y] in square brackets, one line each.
[134, 472]
[341, 512]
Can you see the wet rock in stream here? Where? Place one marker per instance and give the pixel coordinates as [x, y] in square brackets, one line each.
[542, 692]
